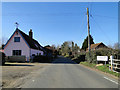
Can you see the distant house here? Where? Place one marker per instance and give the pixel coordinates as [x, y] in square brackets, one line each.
[21, 44]
[97, 46]
[50, 50]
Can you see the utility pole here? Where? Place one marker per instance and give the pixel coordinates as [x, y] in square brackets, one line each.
[88, 30]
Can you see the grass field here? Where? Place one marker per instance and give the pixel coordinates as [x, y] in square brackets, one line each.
[103, 68]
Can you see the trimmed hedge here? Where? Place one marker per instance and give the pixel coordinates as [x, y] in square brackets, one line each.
[42, 59]
[15, 58]
[91, 56]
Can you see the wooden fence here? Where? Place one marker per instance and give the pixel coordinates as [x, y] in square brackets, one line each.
[114, 65]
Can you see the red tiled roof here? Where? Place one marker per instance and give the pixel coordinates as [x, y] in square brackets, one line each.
[95, 45]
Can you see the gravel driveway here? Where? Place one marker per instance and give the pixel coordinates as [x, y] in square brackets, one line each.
[12, 72]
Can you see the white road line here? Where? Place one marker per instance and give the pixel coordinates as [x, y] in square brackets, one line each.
[110, 80]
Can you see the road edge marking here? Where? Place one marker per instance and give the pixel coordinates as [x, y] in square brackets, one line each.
[111, 80]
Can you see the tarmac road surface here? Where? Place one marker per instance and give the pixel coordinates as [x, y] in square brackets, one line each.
[64, 73]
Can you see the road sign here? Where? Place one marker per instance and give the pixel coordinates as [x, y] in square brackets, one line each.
[102, 58]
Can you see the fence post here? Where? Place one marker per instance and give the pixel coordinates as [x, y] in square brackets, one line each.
[111, 58]
[105, 62]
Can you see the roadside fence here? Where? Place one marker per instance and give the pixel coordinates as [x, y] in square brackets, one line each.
[114, 65]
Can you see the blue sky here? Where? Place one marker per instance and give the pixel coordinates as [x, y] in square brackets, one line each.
[56, 22]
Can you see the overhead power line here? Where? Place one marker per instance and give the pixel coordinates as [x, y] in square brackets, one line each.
[106, 16]
[102, 30]
[83, 26]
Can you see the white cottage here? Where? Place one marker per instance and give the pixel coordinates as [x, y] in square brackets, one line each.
[21, 44]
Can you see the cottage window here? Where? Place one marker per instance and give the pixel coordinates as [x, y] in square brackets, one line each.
[16, 39]
[16, 52]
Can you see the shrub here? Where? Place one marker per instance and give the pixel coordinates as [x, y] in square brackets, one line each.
[91, 56]
[66, 55]
[43, 59]
[79, 57]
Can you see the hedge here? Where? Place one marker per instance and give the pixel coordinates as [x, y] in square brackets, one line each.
[92, 55]
[43, 59]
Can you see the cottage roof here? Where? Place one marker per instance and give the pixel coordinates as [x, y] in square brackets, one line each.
[93, 46]
[30, 41]
[49, 48]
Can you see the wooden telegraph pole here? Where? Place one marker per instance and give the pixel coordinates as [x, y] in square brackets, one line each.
[88, 35]
[88, 30]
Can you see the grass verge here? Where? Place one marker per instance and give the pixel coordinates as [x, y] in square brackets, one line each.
[103, 68]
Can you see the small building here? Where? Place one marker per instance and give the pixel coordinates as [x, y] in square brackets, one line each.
[97, 46]
[50, 50]
[21, 44]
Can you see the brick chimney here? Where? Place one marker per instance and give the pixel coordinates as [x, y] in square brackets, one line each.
[30, 33]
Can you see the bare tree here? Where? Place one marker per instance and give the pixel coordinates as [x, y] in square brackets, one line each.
[3, 40]
[116, 46]
[110, 46]
[53, 46]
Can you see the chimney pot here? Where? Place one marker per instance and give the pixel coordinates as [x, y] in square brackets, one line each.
[30, 33]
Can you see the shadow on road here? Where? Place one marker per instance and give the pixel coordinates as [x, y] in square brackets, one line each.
[63, 60]
[17, 65]
[58, 60]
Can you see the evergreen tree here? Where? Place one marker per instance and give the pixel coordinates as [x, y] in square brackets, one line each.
[85, 43]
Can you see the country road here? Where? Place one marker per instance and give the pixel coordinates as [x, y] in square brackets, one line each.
[64, 73]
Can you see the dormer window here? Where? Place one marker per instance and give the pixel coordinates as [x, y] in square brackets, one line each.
[16, 39]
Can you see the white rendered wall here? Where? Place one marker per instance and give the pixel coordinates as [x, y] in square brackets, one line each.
[34, 51]
[25, 50]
